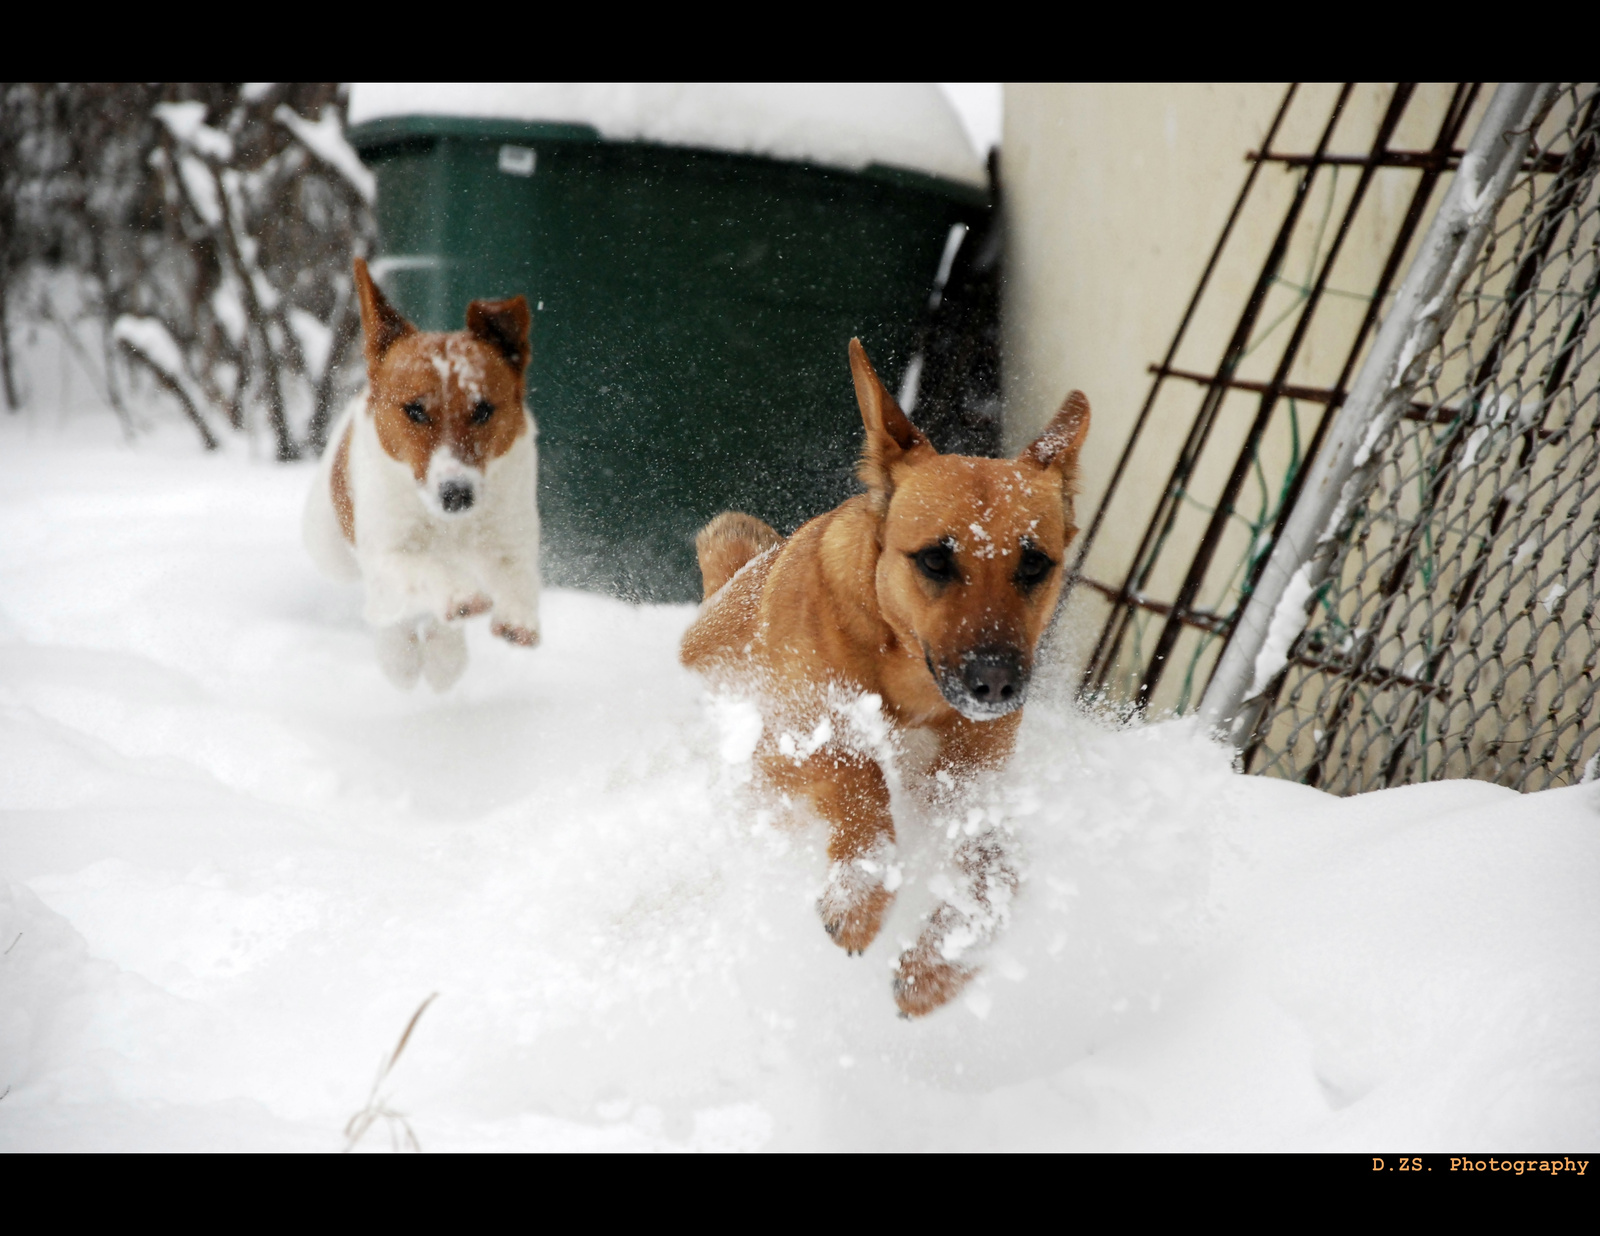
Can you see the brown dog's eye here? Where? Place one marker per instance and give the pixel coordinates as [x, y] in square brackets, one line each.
[417, 412]
[936, 562]
[482, 411]
[1033, 567]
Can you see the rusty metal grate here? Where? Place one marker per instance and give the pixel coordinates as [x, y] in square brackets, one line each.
[1259, 410]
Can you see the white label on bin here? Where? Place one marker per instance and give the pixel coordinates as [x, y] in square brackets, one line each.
[517, 160]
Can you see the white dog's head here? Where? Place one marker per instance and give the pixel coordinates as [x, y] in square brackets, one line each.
[446, 403]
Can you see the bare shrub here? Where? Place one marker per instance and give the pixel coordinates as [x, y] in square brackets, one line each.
[210, 228]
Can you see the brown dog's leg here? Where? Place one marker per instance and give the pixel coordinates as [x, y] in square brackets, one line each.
[925, 978]
[848, 791]
[967, 748]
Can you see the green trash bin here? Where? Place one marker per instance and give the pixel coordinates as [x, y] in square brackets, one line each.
[691, 313]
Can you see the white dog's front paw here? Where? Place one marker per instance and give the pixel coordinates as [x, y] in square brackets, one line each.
[467, 607]
[444, 655]
[400, 654]
[388, 607]
[516, 633]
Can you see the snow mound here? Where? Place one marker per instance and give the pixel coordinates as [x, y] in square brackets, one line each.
[234, 861]
[908, 125]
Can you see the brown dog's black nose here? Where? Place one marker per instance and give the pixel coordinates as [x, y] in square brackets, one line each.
[455, 496]
[993, 677]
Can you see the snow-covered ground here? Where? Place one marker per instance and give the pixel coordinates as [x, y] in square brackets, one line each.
[234, 861]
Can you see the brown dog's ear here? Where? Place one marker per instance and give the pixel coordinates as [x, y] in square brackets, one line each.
[890, 434]
[381, 323]
[1058, 446]
[503, 325]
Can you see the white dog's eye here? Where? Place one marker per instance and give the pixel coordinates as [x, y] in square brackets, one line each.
[417, 412]
[482, 411]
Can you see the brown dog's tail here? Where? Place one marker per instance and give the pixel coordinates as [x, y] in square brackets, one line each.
[727, 543]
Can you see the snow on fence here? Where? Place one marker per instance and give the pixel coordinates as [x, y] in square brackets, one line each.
[1419, 604]
[1454, 635]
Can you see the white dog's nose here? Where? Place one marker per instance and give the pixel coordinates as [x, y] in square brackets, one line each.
[456, 495]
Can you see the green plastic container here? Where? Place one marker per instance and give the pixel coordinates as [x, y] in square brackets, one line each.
[692, 313]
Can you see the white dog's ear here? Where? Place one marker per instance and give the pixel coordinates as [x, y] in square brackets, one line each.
[891, 436]
[503, 325]
[381, 323]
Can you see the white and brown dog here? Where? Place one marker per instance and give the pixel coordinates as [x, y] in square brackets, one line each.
[427, 490]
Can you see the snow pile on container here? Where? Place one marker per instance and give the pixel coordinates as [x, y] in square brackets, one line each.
[234, 861]
[851, 125]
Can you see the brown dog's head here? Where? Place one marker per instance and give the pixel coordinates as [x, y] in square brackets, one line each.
[971, 549]
[446, 404]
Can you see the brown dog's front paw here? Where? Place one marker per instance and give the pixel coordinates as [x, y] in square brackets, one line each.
[925, 980]
[470, 607]
[523, 637]
[852, 916]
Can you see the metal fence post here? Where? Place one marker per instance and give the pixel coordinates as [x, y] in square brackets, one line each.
[1277, 610]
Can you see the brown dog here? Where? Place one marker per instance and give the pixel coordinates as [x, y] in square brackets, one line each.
[930, 591]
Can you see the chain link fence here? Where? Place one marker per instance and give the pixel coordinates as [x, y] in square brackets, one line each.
[1455, 635]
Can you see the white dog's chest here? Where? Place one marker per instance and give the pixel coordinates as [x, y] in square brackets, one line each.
[417, 562]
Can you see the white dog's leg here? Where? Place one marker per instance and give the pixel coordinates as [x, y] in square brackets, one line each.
[402, 585]
[514, 584]
[400, 653]
[444, 654]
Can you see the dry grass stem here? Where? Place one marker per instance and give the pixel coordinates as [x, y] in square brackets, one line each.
[401, 1135]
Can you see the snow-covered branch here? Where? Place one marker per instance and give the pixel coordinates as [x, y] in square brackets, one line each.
[325, 139]
[148, 342]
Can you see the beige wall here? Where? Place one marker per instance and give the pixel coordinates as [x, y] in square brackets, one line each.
[1115, 196]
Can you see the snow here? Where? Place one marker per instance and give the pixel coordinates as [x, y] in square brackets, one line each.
[151, 337]
[187, 123]
[1469, 452]
[981, 108]
[234, 862]
[1288, 620]
[840, 124]
[202, 188]
[229, 308]
[315, 340]
[1476, 193]
[1376, 428]
[324, 138]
